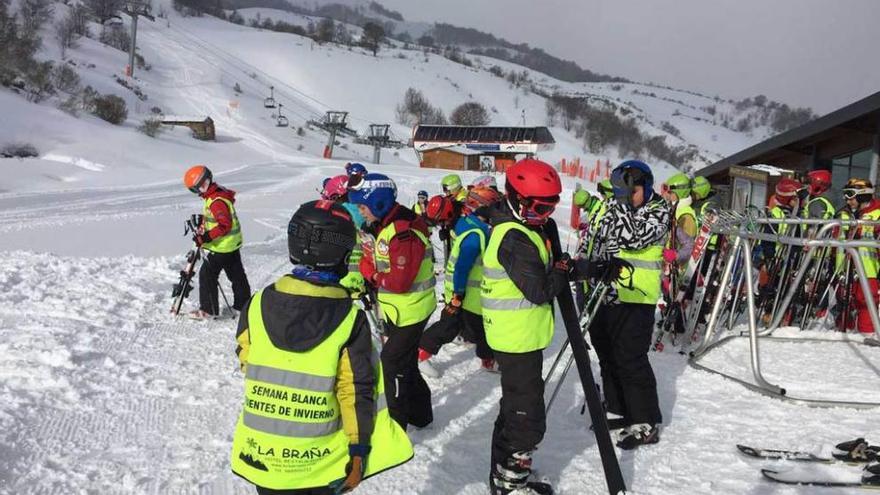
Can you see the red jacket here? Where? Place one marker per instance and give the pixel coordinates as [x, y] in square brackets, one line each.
[405, 251]
[220, 210]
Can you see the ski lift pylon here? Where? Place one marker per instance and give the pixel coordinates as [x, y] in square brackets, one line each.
[270, 101]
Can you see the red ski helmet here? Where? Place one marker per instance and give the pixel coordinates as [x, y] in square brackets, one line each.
[439, 210]
[533, 189]
[787, 190]
[819, 181]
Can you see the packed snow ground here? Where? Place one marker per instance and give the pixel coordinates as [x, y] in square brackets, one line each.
[103, 392]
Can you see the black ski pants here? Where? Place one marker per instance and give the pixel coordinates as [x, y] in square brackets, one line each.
[444, 331]
[209, 275]
[621, 335]
[521, 422]
[408, 395]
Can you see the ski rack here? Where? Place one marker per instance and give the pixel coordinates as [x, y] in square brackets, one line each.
[738, 228]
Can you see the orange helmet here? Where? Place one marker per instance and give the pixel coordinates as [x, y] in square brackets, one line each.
[196, 176]
[481, 196]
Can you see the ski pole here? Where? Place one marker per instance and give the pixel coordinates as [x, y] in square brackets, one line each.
[223, 293]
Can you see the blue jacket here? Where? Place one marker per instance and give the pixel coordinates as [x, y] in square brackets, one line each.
[468, 251]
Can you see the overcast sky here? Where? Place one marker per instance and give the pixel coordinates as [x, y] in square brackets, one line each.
[818, 53]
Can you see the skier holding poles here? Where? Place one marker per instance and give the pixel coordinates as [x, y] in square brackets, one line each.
[634, 230]
[220, 236]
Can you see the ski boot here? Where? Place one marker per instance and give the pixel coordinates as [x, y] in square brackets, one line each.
[489, 365]
[512, 477]
[638, 434]
[856, 450]
[425, 366]
[200, 315]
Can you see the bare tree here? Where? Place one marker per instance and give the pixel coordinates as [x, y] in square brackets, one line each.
[373, 35]
[104, 10]
[470, 113]
[65, 33]
[34, 15]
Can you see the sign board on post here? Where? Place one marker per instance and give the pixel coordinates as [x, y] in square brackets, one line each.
[487, 164]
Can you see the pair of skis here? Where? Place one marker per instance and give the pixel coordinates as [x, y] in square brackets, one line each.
[675, 310]
[852, 464]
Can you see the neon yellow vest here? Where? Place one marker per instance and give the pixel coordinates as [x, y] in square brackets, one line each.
[869, 255]
[289, 434]
[513, 324]
[229, 242]
[419, 302]
[471, 300]
[680, 211]
[642, 286]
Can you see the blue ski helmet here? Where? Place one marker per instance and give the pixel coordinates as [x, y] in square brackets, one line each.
[632, 172]
[422, 194]
[355, 168]
[377, 192]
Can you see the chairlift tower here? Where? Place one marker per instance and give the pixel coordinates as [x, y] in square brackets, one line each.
[334, 121]
[378, 138]
[135, 8]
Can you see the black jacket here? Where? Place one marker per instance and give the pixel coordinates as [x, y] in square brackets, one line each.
[521, 260]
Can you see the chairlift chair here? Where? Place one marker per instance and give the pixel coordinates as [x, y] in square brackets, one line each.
[282, 120]
[270, 101]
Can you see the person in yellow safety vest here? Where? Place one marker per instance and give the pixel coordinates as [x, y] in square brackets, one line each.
[451, 185]
[314, 418]
[399, 265]
[785, 203]
[677, 191]
[220, 236]
[421, 203]
[520, 282]
[859, 195]
[818, 206]
[461, 286]
[633, 231]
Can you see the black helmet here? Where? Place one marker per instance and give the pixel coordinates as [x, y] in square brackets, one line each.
[321, 235]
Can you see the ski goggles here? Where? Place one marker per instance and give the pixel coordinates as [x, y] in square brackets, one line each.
[536, 211]
[850, 193]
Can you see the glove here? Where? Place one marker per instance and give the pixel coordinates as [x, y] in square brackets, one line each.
[610, 270]
[201, 238]
[354, 283]
[564, 264]
[368, 270]
[453, 307]
[354, 474]
[669, 255]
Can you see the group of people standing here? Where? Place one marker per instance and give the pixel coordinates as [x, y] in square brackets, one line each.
[330, 389]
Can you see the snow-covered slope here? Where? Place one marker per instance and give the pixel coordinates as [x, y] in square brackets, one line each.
[102, 392]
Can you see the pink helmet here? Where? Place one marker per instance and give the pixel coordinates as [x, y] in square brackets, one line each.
[335, 188]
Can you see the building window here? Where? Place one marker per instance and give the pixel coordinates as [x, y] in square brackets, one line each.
[846, 167]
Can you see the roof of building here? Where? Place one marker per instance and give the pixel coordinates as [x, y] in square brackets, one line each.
[861, 116]
[483, 134]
